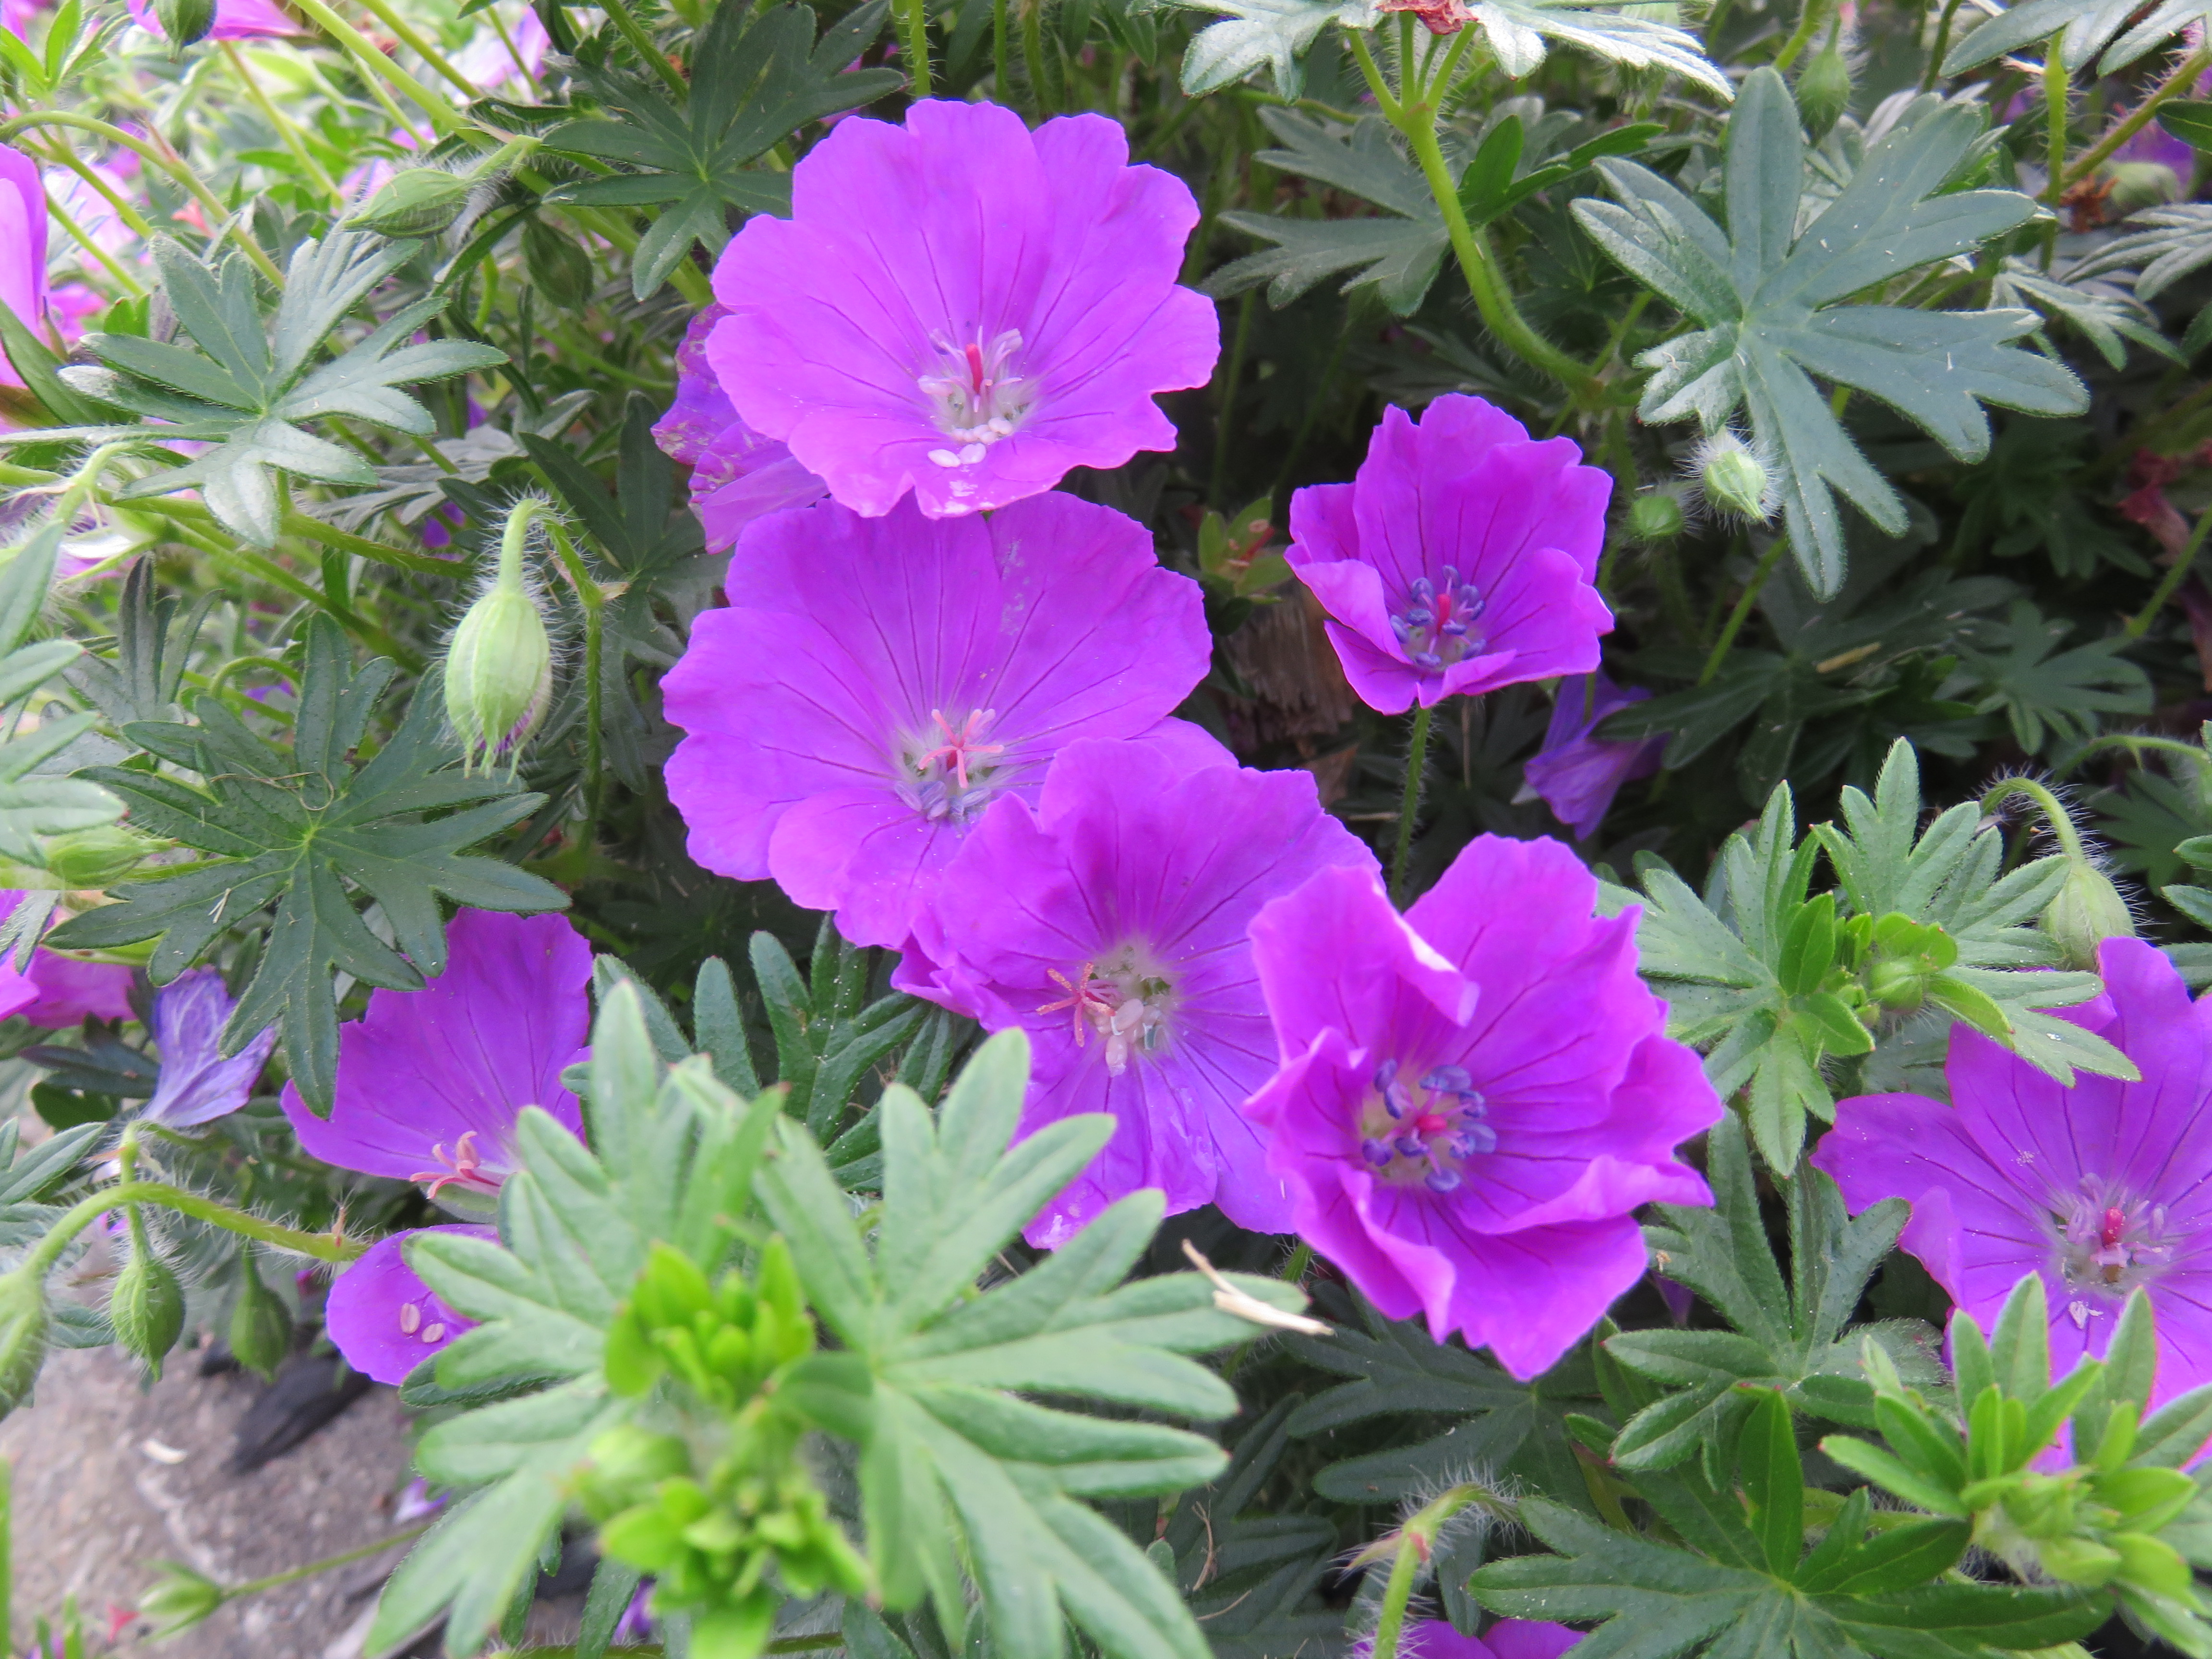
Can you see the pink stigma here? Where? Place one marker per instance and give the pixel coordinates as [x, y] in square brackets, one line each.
[976, 367]
[463, 1169]
[2116, 1223]
[1090, 1000]
[962, 746]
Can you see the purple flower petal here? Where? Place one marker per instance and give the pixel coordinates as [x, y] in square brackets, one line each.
[1577, 774]
[738, 475]
[383, 1319]
[65, 991]
[1459, 560]
[22, 246]
[1110, 922]
[198, 1083]
[964, 309]
[878, 683]
[431, 1081]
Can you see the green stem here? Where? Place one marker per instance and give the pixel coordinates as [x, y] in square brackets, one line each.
[286, 132]
[323, 1247]
[2192, 70]
[1416, 118]
[376, 68]
[1929, 76]
[1033, 54]
[2139, 624]
[1404, 1566]
[641, 44]
[998, 44]
[210, 205]
[595, 604]
[412, 39]
[1295, 1270]
[1416, 758]
[294, 1574]
[914, 23]
[1722, 645]
[2056, 85]
[1231, 372]
[2135, 743]
[124, 209]
[2060, 820]
[123, 278]
[1808, 20]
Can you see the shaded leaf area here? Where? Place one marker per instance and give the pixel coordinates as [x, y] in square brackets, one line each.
[304, 832]
[1771, 301]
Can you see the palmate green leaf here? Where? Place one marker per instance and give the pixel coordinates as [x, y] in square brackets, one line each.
[2105, 314]
[304, 829]
[958, 1464]
[2049, 695]
[1518, 31]
[2174, 241]
[1765, 296]
[249, 387]
[1661, 1603]
[34, 803]
[2086, 28]
[1262, 35]
[756, 78]
[1398, 1370]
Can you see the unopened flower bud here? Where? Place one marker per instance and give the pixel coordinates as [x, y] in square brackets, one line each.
[1734, 480]
[147, 1308]
[420, 202]
[184, 22]
[560, 269]
[2087, 911]
[260, 1327]
[26, 1324]
[95, 859]
[179, 1599]
[1655, 517]
[1824, 89]
[499, 668]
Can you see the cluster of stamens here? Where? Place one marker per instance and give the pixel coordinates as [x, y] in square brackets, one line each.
[2110, 1245]
[1126, 1005]
[976, 396]
[463, 1168]
[1436, 626]
[1404, 1140]
[952, 779]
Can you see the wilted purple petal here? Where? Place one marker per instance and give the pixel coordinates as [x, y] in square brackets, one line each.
[197, 1084]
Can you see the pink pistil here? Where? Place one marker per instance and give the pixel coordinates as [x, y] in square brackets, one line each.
[463, 1168]
[962, 746]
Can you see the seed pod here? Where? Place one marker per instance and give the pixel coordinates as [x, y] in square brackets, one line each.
[1733, 479]
[179, 1599]
[420, 202]
[260, 1328]
[561, 269]
[184, 22]
[26, 1325]
[499, 667]
[1824, 89]
[2087, 911]
[1655, 516]
[147, 1307]
[96, 857]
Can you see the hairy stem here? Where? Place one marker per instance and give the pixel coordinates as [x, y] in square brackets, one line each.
[2139, 624]
[914, 23]
[2192, 70]
[1391, 1627]
[2057, 83]
[1734, 626]
[323, 1247]
[1933, 72]
[377, 70]
[2054, 813]
[641, 44]
[595, 604]
[1417, 760]
[1813, 14]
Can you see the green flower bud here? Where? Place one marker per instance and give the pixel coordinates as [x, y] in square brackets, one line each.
[97, 857]
[2140, 185]
[627, 1463]
[1824, 89]
[499, 668]
[420, 202]
[147, 1307]
[179, 1599]
[260, 1327]
[2087, 911]
[1655, 516]
[26, 1324]
[1734, 480]
[184, 22]
[561, 269]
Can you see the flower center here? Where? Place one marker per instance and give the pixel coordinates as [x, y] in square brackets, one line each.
[947, 769]
[2109, 1244]
[1429, 1138]
[1438, 627]
[463, 1168]
[1126, 999]
[975, 396]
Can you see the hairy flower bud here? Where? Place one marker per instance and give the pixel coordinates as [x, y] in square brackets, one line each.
[260, 1327]
[1824, 89]
[499, 668]
[147, 1307]
[561, 269]
[184, 22]
[26, 1324]
[2087, 911]
[1655, 516]
[1733, 479]
[420, 202]
[97, 857]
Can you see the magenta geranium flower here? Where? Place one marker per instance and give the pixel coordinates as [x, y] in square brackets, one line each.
[234, 20]
[57, 990]
[1461, 558]
[383, 1319]
[1508, 1638]
[1576, 775]
[963, 308]
[737, 475]
[198, 1082]
[1109, 921]
[879, 681]
[23, 246]
[1474, 1097]
[2100, 1188]
[430, 1082]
